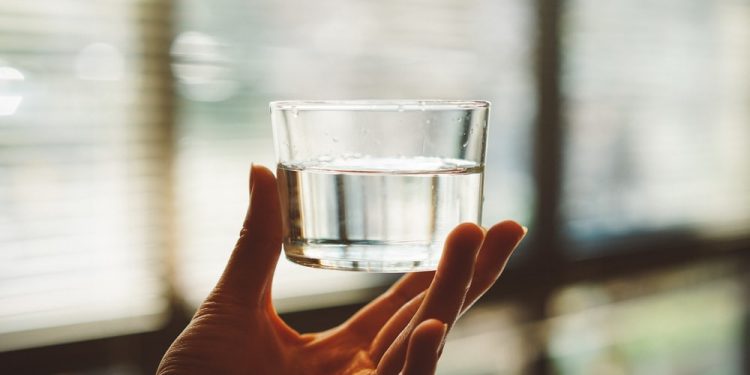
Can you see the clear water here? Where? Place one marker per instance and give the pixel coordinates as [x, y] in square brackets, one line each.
[375, 214]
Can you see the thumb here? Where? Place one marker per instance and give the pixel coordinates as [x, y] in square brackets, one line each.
[247, 277]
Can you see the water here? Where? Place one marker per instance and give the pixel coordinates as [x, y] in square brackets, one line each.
[375, 214]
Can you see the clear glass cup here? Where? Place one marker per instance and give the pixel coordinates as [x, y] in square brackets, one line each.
[377, 185]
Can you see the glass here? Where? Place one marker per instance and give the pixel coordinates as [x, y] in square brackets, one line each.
[377, 185]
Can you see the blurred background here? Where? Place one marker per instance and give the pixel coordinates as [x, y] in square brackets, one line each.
[620, 134]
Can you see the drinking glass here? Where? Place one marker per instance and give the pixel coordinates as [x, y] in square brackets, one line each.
[377, 185]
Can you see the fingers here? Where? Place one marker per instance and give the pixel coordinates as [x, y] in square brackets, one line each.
[497, 247]
[499, 243]
[447, 292]
[247, 276]
[370, 320]
[394, 327]
[425, 342]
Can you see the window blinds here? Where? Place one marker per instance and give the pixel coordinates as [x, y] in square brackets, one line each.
[656, 97]
[81, 170]
[92, 140]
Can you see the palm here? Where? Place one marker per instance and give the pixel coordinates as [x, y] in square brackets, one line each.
[237, 330]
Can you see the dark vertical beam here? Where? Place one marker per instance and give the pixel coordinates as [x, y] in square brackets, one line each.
[547, 258]
[159, 112]
[155, 39]
[745, 344]
[548, 127]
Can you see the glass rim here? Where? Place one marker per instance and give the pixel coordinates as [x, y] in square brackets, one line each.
[378, 105]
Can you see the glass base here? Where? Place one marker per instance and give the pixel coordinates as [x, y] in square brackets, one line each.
[366, 257]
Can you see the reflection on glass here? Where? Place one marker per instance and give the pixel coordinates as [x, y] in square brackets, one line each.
[9, 94]
[203, 68]
[688, 321]
[99, 62]
[657, 117]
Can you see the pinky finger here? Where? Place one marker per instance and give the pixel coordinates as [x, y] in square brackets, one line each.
[425, 342]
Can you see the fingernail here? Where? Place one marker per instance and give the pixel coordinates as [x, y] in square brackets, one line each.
[525, 230]
[252, 170]
[442, 342]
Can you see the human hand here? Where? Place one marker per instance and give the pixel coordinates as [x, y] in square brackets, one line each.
[237, 330]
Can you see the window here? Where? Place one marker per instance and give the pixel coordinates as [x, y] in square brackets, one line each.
[89, 244]
[657, 136]
[80, 229]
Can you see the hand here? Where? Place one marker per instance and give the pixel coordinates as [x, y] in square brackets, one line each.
[237, 331]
